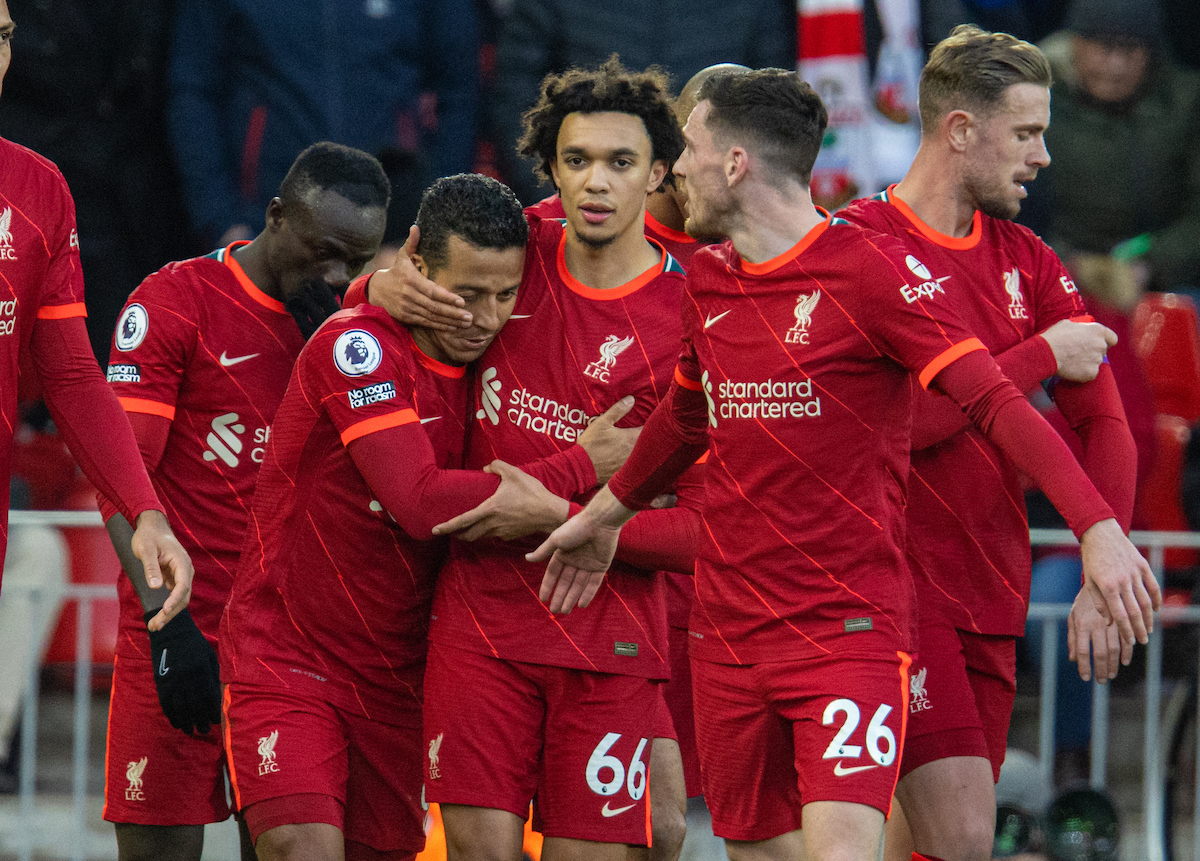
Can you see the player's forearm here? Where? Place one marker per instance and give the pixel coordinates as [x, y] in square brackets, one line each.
[1095, 412]
[89, 417]
[674, 437]
[1009, 421]
[121, 535]
[937, 418]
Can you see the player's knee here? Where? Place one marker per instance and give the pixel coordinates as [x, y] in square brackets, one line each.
[152, 842]
[668, 827]
[304, 842]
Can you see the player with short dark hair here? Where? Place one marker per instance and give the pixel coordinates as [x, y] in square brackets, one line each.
[801, 337]
[44, 341]
[985, 104]
[200, 360]
[596, 321]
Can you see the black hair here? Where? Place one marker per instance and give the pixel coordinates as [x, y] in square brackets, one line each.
[352, 173]
[611, 87]
[772, 111]
[477, 208]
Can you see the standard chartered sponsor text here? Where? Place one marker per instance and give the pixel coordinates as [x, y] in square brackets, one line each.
[767, 399]
[546, 416]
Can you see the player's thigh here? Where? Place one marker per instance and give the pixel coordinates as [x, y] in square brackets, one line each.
[310, 841]
[595, 773]
[483, 721]
[746, 755]
[288, 759]
[385, 809]
[992, 674]
[848, 723]
[482, 833]
[950, 807]
[841, 830]
[153, 842]
[155, 774]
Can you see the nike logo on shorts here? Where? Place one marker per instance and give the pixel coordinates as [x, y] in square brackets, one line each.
[430, 419]
[227, 362]
[519, 316]
[841, 770]
[163, 669]
[708, 321]
[607, 811]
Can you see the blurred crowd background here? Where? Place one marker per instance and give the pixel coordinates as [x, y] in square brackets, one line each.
[173, 122]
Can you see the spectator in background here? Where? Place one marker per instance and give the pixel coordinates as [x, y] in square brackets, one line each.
[88, 95]
[540, 37]
[1126, 144]
[253, 82]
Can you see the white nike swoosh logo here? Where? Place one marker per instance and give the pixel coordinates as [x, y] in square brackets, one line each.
[227, 362]
[606, 811]
[708, 321]
[163, 669]
[430, 419]
[519, 316]
[841, 771]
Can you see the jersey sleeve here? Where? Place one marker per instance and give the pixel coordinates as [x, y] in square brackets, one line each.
[1055, 295]
[62, 288]
[153, 344]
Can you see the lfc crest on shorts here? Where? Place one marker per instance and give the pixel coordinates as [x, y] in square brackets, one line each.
[609, 350]
[919, 699]
[133, 773]
[266, 749]
[434, 746]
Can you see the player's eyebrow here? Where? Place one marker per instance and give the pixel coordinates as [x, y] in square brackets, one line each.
[625, 152]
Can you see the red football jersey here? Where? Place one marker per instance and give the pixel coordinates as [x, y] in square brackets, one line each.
[331, 596]
[567, 354]
[200, 345]
[40, 275]
[805, 361]
[968, 536]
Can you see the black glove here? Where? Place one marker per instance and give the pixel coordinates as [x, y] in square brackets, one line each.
[311, 305]
[186, 674]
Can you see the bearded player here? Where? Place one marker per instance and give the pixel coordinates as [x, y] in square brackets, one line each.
[985, 104]
[800, 334]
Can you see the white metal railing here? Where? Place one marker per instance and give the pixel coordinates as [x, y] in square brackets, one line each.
[1153, 786]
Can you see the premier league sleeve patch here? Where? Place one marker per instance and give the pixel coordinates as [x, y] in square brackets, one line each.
[131, 331]
[356, 353]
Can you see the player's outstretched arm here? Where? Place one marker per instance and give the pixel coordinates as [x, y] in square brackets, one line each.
[409, 296]
[520, 506]
[1094, 641]
[1119, 581]
[579, 553]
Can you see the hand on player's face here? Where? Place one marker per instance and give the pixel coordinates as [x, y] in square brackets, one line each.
[311, 304]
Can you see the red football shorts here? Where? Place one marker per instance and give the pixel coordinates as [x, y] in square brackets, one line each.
[776, 736]
[678, 693]
[498, 733]
[155, 774]
[963, 685]
[296, 759]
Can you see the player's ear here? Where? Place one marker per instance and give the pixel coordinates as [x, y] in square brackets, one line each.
[957, 126]
[274, 219]
[419, 262]
[658, 172]
[737, 162]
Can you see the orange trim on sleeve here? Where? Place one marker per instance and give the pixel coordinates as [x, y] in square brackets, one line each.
[62, 312]
[378, 423]
[142, 405]
[684, 382]
[956, 352]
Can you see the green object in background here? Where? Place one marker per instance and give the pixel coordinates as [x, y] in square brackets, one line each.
[1081, 825]
[1135, 246]
[1014, 832]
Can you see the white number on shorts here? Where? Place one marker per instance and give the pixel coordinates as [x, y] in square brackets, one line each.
[838, 747]
[883, 754]
[601, 759]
